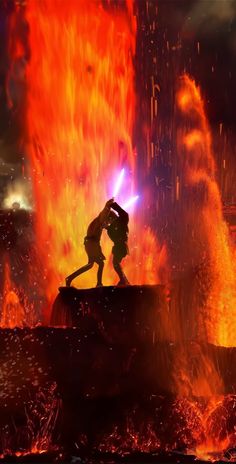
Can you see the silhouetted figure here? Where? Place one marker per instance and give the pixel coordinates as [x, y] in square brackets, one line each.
[117, 230]
[93, 247]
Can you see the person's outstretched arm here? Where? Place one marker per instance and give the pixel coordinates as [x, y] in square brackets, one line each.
[122, 213]
[106, 210]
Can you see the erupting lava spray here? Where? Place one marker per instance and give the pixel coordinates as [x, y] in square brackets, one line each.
[80, 114]
[200, 256]
[207, 231]
[13, 313]
[203, 299]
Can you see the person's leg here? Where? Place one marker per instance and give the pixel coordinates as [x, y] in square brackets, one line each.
[100, 272]
[79, 271]
[119, 271]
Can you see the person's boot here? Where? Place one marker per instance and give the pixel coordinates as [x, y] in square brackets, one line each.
[123, 282]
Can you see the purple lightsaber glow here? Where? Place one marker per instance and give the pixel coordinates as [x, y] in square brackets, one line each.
[118, 183]
[130, 202]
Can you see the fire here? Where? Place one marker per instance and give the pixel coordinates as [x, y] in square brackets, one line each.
[218, 315]
[207, 426]
[130, 440]
[192, 138]
[189, 94]
[16, 310]
[80, 115]
[13, 313]
[35, 436]
[203, 306]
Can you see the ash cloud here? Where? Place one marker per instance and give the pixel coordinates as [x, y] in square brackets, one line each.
[211, 17]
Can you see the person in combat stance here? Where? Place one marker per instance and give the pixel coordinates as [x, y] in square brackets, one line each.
[117, 230]
[93, 247]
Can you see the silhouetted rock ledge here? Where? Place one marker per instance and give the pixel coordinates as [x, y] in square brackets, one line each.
[117, 312]
[115, 333]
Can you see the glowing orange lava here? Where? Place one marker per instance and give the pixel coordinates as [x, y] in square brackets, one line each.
[218, 315]
[13, 313]
[80, 117]
[209, 273]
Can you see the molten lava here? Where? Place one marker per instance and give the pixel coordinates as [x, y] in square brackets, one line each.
[203, 304]
[13, 313]
[217, 315]
[81, 102]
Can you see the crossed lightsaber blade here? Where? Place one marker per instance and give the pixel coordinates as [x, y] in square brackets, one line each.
[117, 188]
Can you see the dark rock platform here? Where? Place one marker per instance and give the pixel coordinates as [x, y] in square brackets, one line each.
[118, 329]
[132, 309]
[105, 384]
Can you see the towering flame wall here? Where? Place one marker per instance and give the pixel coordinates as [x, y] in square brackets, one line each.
[80, 114]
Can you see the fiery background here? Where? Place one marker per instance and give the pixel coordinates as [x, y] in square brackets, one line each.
[108, 94]
[88, 88]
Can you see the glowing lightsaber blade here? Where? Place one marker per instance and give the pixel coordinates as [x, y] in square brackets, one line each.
[118, 183]
[130, 202]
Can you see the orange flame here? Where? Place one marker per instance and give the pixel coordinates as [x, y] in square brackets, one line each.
[211, 422]
[80, 119]
[17, 309]
[13, 313]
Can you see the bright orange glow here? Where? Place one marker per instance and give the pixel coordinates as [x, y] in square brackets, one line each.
[189, 97]
[195, 375]
[210, 437]
[218, 316]
[13, 314]
[80, 118]
[206, 450]
[184, 100]
[192, 138]
[216, 440]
